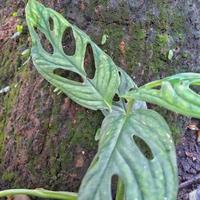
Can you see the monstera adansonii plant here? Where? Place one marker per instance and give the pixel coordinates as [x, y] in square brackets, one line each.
[139, 177]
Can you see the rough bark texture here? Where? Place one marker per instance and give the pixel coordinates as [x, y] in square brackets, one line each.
[45, 139]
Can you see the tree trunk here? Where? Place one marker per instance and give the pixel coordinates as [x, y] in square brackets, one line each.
[45, 139]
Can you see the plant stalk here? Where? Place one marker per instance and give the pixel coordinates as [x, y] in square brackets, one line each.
[41, 193]
[130, 105]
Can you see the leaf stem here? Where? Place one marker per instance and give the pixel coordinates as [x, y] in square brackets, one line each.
[152, 84]
[120, 190]
[130, 105]
[42, 193]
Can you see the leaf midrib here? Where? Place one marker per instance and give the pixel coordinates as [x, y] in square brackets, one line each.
[112, 152]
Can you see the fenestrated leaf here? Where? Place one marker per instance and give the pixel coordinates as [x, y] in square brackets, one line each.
[96, 93]
[174, 93]
[119, 155]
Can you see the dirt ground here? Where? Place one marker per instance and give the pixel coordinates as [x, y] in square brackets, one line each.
[188, 158]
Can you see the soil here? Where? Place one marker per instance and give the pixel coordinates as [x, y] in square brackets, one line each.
[188, 158]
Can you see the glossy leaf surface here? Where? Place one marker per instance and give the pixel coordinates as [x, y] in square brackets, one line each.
[95, 93]
[119, 155]
[173, 93]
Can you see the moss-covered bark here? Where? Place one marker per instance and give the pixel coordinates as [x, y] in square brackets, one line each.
[45, 139]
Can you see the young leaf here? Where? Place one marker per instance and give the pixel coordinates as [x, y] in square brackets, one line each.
[170, 54]
[174, 94]
[95, 93]
[118, 154]
[104, 39]
[126, 84]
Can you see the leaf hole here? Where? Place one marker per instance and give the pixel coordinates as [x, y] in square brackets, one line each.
[125, 100]
[68, 42]
[47, 46]
[89, 63]
[116, 98]
[158, 87]
[144, 147]
[195, 88]
[132, 89]
[51, 23]
[115, 184]
[114, 181]
[68, 74]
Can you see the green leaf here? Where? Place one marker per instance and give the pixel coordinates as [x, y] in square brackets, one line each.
[170, 54]
[19, 28]
[104, 39]
[119, 155]
[14, 14]
[95, 93]
[173, 93]
[126, 84]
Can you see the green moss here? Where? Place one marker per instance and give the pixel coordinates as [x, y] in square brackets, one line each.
[115, 35]
[8, 102]
[178, 25]
[162, 39]
[11, 97]
[138, 53]
[83, 131]
[139, 33]
[11, 60]
[1, 141]
[117, 15]
[8, 176]
[103, 2]
[135, 47]
[66, 156]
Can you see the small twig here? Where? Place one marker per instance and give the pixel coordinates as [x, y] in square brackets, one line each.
[190, 182]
